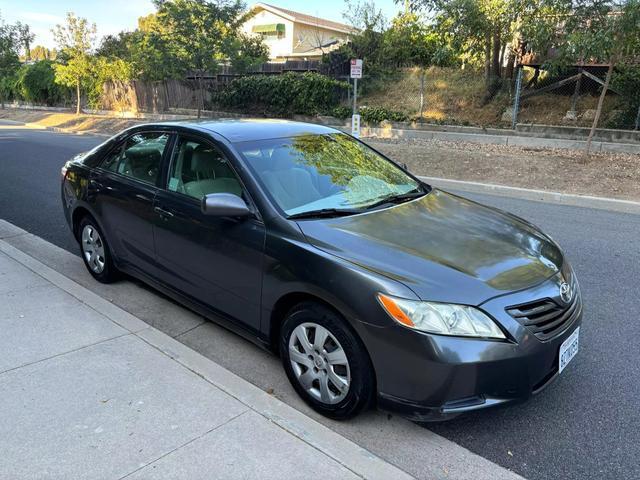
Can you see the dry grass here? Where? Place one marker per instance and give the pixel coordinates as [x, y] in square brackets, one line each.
[456, 96]
[451, 96]
[550, 109]
[70, 121]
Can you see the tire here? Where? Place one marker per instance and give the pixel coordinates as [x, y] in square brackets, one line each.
[91, 239]
[319, 375]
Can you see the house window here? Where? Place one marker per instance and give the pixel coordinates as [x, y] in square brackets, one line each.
[273, 30]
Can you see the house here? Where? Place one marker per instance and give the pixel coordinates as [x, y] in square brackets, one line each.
[295, 36]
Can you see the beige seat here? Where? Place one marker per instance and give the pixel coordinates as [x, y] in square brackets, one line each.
[291, 186]
[211, 173]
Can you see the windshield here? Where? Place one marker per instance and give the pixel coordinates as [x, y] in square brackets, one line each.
[324, 172]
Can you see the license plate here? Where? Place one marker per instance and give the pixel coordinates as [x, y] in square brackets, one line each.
[568, 349]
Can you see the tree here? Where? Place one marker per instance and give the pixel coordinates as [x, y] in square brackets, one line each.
[9, 61]
[39, 53]
[601, 30]
[489, 31]
[24, 37]
[201, 32]
[364, 15]
[75, 41]
[108, 70]
[36, 83]
[246, 51]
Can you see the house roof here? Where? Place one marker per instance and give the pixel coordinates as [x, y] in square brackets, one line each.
[306, 19]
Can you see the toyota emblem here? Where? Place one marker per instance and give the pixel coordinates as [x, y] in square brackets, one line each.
[566, 294]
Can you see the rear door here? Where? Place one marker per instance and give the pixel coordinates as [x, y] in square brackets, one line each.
[217, 261]
[122, 190]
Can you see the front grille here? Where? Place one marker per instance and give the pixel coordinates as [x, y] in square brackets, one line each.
[546, 317]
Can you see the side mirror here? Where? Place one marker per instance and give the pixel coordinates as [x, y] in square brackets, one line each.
[224, 205]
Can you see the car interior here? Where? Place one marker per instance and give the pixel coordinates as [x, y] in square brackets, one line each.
[291, 182]
[200, 169]
[140, 158]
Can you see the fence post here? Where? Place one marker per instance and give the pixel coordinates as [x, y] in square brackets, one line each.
[596, 119]
[576, 93]
[638, 119]
[422, 94]
[516, 100]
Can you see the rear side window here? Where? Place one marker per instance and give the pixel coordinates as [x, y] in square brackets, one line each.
[140, 157]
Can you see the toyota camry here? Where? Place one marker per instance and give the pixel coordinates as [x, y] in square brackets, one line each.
[373, 287]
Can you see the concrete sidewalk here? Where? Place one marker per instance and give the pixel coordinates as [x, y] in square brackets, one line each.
[90, 391]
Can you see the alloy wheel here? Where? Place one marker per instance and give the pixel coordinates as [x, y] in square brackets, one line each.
[319, 363]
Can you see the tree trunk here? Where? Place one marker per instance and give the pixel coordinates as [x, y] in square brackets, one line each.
[78, 97]
[495, 56]
[596, 119]
[511, 63]
[487, 58]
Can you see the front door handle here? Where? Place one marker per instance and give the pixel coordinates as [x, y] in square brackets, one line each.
[95, 184]
[162, 212]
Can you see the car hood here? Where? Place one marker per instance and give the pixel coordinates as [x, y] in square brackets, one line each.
[445, 248]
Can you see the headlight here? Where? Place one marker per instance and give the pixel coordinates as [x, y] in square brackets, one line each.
[441, 318]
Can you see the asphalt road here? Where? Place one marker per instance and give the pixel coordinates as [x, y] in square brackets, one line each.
[585, 426]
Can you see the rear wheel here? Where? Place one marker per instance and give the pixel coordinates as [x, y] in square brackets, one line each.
[325, 361]
[95, 251]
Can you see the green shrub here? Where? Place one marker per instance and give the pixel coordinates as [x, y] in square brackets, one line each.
[36, 84]
[341, 112]
[379, 114]
[282, 95]
[9, 88]
[626, 81]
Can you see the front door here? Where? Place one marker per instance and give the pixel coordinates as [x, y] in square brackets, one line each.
[122, 190]
[216, 260]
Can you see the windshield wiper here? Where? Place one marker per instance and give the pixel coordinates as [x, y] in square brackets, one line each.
[398, 198]
[326, 212]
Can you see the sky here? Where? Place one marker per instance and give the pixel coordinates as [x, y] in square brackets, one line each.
[112, 16]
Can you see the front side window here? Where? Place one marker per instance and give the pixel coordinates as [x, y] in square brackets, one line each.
[198, 169]
[140, 157]
[315, 172]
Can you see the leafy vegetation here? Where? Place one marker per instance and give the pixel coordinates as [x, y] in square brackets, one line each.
[282, 95]
[36, 83]
[375, 115]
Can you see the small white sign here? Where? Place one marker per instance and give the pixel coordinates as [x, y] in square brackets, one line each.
[355, 125]
[356, 68]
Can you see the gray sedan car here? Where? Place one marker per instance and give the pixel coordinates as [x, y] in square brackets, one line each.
[372, 286]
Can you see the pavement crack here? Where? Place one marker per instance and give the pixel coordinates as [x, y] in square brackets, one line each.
[190, 329]
[66, 353]
[185, 444]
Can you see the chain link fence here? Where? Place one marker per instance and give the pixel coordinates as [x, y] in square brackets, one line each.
[571, 99]
[455, 96]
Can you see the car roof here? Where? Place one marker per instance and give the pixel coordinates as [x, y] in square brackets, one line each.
[244, 130]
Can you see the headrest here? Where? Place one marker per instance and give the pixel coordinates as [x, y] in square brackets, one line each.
[280, 159]
[204, 159]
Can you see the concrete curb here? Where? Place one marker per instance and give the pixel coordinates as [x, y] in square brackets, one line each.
[351, 456]
[495, 139]
[569, 199]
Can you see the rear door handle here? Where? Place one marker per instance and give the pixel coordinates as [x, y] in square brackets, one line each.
[162, 212]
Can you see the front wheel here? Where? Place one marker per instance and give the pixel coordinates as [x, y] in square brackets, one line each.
[95, 251]
[325, 362]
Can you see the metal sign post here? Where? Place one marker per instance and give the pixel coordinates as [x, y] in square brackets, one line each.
[356, 73]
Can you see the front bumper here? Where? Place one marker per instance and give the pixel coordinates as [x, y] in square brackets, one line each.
[433, 377]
